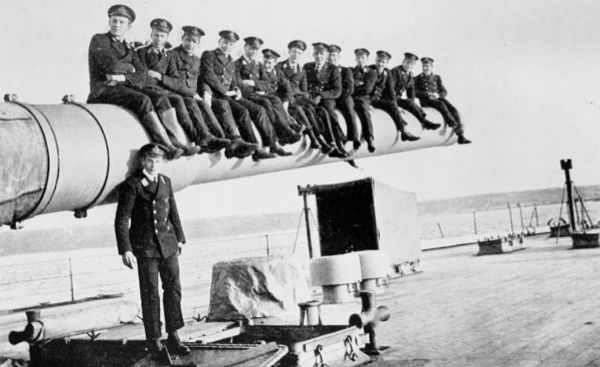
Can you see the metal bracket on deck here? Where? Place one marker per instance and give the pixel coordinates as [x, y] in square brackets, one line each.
[319, 357]
[68, 98]
[80, 213]
[349, 345]
[11, 97]
[93, 334]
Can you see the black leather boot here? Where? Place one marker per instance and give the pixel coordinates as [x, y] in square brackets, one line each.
[175, 346]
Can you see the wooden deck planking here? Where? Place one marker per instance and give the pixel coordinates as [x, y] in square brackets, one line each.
[536, 307]
[527, 308]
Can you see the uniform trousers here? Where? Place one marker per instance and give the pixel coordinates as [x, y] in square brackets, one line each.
[346, 107]
[300, 115]
[259, 117]
[335, 132]
[412, 107]
[234, 118]
[213, 124]
[276, 113]
[318, 124]
[124, 96]
[448, 111]
[163, 100]
[362, 105]
[203, 127]
[392, 109]
[148, 270]
[129, 98]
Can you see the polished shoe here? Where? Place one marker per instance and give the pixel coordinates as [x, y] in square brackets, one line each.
[240, 149]
[428, 125]
[262, 154]
[290, 137]
[192, 149]
[213, 144]
[352, 163]
[159, 352]
[336, 153]
[245, 149]
[175, 346]
[344, 152]
[174, 153]
[315, 145]
[406, 136]
[463, 140]
[356, 144]
[370, 146]
[189, 149]
[280, 151]
[326, 148]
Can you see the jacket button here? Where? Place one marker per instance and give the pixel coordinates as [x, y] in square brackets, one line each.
[156, 231]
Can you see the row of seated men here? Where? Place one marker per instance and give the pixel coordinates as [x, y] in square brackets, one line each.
[193, 105]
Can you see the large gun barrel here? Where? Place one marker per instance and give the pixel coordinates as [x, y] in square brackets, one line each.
[72, 156]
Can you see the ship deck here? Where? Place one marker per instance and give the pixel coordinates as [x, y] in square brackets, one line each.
[535, 307]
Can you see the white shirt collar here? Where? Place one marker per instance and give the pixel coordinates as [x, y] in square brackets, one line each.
[149, 176]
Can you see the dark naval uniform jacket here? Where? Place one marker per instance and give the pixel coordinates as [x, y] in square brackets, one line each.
[161, 62]
[384, 85]
[275, 83]
[107, 55]
[217, 71]
[431, 83]
[155, 227]
[154, 59]
[184, 73]
[404, 82]
[364, 81]
[249, 70]
[326, 83]
[295, 77]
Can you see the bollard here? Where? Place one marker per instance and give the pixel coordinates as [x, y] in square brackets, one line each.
[369, 284]
[369, 317]
[339, 293]
[311, 312]
[34, 330]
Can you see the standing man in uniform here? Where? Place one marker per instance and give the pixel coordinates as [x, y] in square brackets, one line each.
[432, 93]
[345, 103]
[118, 77]
[217, 70]
[364, 82]
[383, 95]
[405, 90]
[250, 74]
[324, 85]
[153, 240]
[302, 106]
[163, 72]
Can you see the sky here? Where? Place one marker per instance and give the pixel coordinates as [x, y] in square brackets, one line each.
[524, 74]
